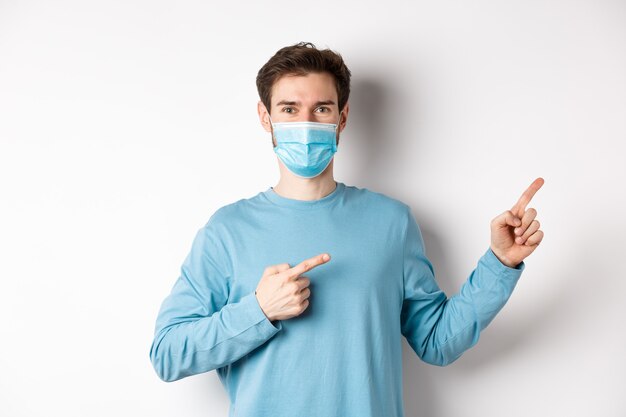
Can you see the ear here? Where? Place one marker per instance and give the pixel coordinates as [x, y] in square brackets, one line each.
[264, 116]
[344, 116]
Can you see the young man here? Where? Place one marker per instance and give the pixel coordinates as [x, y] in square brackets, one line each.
[299, 295]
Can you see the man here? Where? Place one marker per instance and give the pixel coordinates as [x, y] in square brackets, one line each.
[299, 295]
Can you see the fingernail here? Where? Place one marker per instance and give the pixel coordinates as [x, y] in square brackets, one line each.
[325, 257]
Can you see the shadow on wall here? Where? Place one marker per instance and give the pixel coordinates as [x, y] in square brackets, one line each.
[375, 127]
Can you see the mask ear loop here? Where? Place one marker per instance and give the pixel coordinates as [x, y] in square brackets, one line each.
[272, 130]
[337, 132]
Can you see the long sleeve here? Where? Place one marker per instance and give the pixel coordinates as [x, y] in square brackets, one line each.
[197, 330]
[439, 329]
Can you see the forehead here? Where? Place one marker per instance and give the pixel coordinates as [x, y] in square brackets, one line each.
[311, 87]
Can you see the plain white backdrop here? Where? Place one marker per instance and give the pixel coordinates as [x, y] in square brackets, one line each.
[125, 124]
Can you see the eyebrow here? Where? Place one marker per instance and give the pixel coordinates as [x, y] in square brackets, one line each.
[295, 103]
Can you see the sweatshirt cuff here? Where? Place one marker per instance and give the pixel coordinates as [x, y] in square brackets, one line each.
[492, 262]
[252, 313]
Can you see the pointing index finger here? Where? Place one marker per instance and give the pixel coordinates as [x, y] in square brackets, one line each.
[519, 207]
[307, 265]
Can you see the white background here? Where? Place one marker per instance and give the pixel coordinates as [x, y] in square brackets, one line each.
[125, 124]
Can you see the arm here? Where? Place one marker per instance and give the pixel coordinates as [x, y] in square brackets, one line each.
[196, 329]
[440, 329]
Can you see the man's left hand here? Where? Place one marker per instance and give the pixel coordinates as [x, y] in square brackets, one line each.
[515, 233]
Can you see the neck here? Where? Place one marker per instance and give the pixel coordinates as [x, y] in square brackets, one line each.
[297, 188]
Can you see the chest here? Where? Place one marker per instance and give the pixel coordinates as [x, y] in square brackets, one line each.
[365, 265]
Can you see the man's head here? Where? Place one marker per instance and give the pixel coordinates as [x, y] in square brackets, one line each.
[303, 83]
[302, 59]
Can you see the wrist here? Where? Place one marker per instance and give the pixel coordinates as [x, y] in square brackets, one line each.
[503, 259]
[262, 309]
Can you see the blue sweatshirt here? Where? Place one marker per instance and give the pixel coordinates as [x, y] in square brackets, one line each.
[343, 355]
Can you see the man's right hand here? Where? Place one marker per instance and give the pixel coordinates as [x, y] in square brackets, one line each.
[282, 292]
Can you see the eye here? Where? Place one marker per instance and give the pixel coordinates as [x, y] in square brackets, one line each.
[323, 109]
[288, 109]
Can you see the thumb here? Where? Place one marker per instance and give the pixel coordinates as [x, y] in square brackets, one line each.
[506, 219]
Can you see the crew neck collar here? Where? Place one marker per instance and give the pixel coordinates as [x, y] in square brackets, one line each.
[279, 200]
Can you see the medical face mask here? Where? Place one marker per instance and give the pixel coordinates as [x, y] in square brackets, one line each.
[306, 148]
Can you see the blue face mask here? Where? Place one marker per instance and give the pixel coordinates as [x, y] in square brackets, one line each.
[306, 148]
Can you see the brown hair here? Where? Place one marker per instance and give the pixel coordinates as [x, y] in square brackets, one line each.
[301, 59]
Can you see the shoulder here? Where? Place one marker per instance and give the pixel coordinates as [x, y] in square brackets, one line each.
[232, 211]
[378, 202]
[224, 215]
